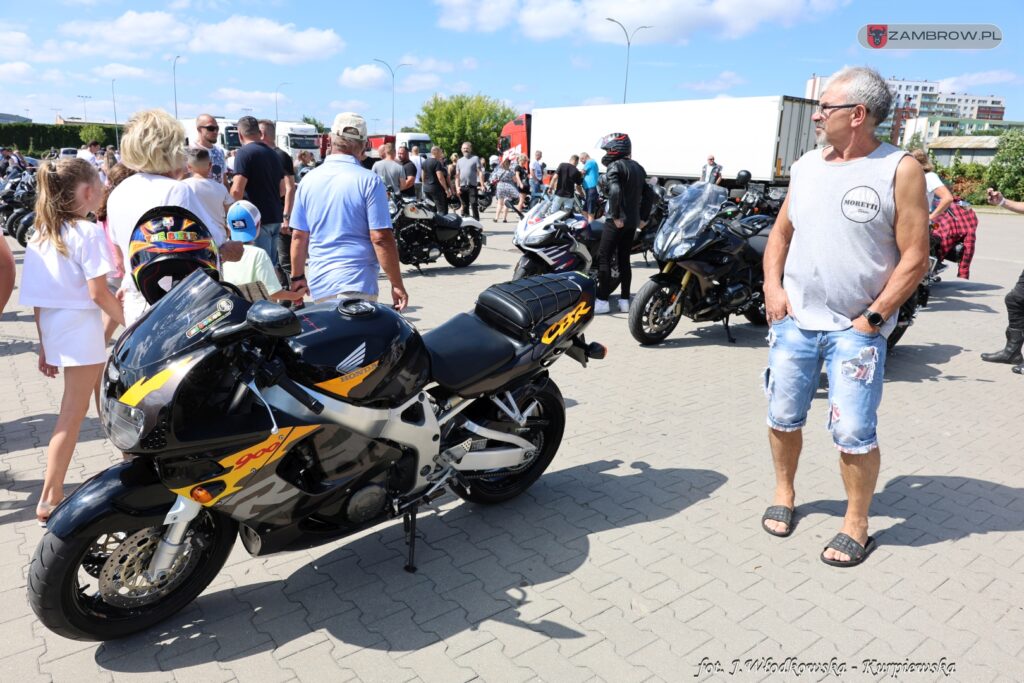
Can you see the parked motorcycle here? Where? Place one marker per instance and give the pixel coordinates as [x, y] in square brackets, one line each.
[8, 205]
[710, 267]
[423, 235]
[244, 419]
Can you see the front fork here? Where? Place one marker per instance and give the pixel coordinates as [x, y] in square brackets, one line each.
[676, 302]
[177, 520]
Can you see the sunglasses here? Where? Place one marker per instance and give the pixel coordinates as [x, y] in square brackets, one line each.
[213, 129]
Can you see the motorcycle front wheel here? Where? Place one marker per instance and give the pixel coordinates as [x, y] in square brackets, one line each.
[464, 249]
[651, 313]
[543, 428]
[95, 588]
[526, 268]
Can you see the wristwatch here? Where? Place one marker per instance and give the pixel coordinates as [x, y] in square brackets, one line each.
[298, 278]
[874, 319]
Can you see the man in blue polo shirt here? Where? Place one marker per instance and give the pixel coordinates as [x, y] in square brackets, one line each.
[590, 174]
[341, 228]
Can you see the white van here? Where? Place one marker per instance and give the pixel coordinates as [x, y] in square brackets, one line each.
[410, 140]
[295, 137]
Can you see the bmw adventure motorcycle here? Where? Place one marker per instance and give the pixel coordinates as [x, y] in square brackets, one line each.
[710, 267]
[246, 420]
[423, 235]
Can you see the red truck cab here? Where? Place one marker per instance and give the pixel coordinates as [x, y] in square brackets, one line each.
[515, 137]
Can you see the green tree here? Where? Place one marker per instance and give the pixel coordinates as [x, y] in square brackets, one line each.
[915, 142]
[450, 121]
[1006, 173]
[92, 132]
[315, 122]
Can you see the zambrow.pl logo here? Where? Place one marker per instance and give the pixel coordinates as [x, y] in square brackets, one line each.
[930, 36]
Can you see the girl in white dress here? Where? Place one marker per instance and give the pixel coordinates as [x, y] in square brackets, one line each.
[65, 280]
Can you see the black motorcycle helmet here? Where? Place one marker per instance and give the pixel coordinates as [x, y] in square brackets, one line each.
[616, 146]
[742, 178]
[168, 244]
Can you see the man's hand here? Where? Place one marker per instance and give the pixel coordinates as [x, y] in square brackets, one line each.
[399, 297]
[300, 287]
[618, 223]
[861, 324]
[231, 251]
[44, 367]
[776, 304]
[995, 196]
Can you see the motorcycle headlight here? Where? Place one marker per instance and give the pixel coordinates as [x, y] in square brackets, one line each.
[537, 238]
[124, 424]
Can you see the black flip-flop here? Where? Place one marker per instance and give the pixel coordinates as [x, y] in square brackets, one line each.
[847, 545]
[778, 513]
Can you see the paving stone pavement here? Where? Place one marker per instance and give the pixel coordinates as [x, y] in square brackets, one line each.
[638, 556]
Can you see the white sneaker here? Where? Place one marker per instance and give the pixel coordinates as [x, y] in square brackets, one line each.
[601, 307]
[623, 305]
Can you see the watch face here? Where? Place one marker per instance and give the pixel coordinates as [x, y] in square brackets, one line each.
[875, 319]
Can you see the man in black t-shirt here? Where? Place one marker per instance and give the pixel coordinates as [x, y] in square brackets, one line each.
[567, 177]
[435, 180]
[284, 238]
[259, 177]
[408, 173]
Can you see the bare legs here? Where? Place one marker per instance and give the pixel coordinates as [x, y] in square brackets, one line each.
[79, 383]
[859, 472]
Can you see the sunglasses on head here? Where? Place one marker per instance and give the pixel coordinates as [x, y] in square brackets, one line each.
[209, 128]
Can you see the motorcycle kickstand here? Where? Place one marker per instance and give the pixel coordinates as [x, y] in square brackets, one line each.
[409, 524]
[728, 332]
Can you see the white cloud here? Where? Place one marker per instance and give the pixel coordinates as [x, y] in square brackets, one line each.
[127, 36]
[724, 81]
[428, 64]
[419, 81]
[115, 70]
[250, 97]
[14, 44]
[364, 77]
[461, 87]
[15, 72]
[472, 15]
[469, 63]
[592, 101]
[265, 40]
[339, 106]
[972, 81]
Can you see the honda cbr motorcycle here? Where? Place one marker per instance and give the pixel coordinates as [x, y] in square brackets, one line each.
[710, 267]
[558, 242]
[288, 431]
[423, 235]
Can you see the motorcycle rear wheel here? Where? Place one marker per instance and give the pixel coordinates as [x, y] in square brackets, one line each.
[544, 429]
[649, 322]
[463, 250]
[68, 608]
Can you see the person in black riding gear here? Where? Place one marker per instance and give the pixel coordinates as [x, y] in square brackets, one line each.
[629, 199]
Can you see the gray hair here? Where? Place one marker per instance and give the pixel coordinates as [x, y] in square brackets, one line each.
[865, 86]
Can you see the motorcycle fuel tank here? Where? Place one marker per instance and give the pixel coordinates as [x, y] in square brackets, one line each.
[360, 352]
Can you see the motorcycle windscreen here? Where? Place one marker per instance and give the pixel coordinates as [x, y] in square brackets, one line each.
[181, 320]
[686, 212]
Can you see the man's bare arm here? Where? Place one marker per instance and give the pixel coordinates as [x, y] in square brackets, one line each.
[775, 253]
[238, 187]
[299, 253]
[911, 231]
[288, 192]
[386, 248]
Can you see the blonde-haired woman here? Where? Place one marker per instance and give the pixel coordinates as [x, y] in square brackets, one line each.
[65, 281]
[153, 145]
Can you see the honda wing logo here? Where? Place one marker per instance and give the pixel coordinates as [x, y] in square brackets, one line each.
[878, 35]
[353, 360]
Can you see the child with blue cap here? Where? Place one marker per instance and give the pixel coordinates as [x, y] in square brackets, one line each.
[254, 266]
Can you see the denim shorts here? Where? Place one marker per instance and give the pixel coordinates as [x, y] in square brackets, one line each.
[855, 365]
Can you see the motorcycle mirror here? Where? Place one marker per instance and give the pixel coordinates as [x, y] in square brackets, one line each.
[272, 320]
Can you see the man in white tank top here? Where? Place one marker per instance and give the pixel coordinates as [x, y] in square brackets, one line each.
[849, 247]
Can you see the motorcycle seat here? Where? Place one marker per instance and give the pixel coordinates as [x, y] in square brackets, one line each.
[465, 350]
[519, 307]
[447, 220]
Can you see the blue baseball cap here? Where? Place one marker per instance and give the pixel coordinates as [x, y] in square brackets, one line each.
[244, 221]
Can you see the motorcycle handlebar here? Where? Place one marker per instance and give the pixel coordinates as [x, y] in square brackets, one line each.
[296, 392]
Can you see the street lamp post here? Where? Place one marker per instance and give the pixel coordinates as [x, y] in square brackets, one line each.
[629, 42]
[392, 71]
[85, 113]
[276, 91]
[113, 98]
[174, 78]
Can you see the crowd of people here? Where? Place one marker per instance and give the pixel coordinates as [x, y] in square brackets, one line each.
[329, 236]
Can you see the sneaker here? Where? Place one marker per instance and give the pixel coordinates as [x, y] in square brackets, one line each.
[623, 305]
[601, 307]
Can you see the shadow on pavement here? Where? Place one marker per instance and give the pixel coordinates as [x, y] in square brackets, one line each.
[747, 336]
[34, 431]
[474, 562]
[910, 362]
[442, 269]
[957, 296]
[937, 508]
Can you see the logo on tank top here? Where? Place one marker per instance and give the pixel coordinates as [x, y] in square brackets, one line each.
[861, 204]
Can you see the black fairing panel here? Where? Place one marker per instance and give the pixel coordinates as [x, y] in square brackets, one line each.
[128, 495]
[382, 357]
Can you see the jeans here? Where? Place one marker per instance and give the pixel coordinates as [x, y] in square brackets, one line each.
[855, 364]
[267, 240]
[562, 204]
[615, 244]
[536, 186]
[467, 193]
[439, 198]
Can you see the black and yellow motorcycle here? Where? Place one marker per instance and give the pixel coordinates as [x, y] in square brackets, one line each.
[243, 419]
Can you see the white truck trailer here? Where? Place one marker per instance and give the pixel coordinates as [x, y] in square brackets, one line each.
[295, 137]
[672, 140]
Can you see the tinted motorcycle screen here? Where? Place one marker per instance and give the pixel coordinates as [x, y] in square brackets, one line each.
[181, 320]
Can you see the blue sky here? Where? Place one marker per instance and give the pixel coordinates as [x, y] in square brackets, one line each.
[531, 53]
